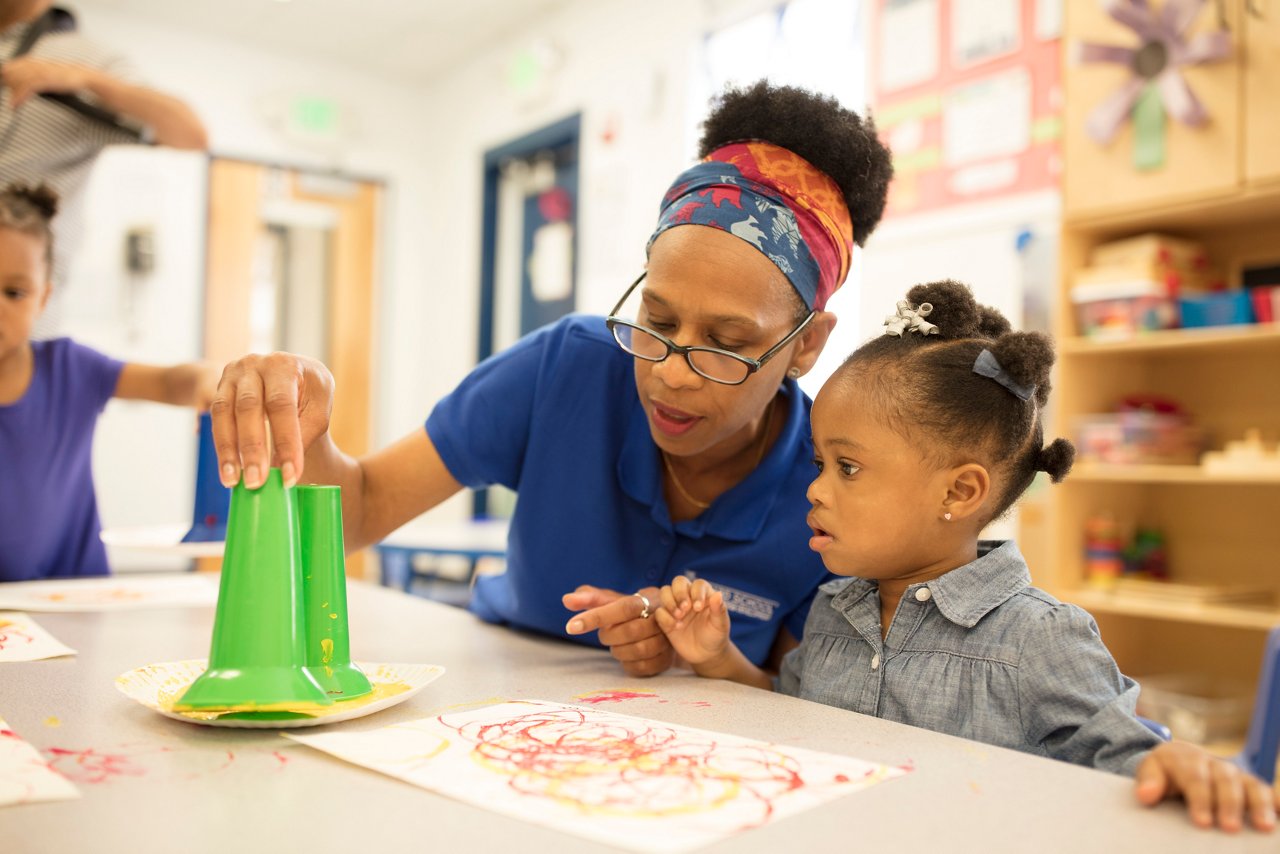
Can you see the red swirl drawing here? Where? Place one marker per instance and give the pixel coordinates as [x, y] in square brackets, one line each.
[628, 767]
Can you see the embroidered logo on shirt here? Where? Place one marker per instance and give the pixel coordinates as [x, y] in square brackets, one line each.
[740, 601]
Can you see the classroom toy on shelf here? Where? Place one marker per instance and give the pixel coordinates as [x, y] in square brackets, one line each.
[1143, 430]
[1134, 285]
[1248, 456]
[1103, 551]
[1137, 567]
[1146, 556]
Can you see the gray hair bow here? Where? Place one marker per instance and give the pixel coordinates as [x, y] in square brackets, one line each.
[910, 319]
[987, 366]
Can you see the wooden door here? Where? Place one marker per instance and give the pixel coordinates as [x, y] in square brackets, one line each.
[250, 205]
[1261, 89]
[1197, 161]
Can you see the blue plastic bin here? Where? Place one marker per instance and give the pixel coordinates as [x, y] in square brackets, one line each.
[1223, 308]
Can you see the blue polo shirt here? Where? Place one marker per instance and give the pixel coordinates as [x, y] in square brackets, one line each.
[557, 419]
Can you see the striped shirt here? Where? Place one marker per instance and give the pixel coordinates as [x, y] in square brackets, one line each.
[44, 141]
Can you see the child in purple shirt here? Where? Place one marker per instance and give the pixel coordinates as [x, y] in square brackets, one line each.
[51, 393]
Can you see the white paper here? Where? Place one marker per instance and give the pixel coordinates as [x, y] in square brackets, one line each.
[625, 781]
[112, 593]
[988, 118]
[25, 777]
[984, 29]
[21, 639]
[551, 262]
[908, 43]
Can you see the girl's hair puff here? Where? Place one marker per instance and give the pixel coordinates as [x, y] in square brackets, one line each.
[30, 209]
[926, 387]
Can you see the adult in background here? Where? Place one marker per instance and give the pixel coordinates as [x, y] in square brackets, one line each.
[63, 99]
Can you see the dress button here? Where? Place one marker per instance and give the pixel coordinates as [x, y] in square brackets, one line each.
[923, 594]
[875, 661]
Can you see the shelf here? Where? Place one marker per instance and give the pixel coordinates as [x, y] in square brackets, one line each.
[1233, 616]
[1195, 212]
[1102, 473]
[1178, 340]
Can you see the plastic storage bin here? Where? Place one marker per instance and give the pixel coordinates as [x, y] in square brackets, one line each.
[1197, 708]
[1224, 308]
[1123, 309]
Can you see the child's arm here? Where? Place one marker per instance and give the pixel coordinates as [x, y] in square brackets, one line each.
[694, 618]
[192, 384]
[1215, 790]
[1075, 702]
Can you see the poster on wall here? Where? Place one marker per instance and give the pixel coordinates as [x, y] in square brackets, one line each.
[911, 26]
[984, 29]
[986, 121]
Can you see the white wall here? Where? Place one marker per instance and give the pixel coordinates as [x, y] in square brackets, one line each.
[235, 89]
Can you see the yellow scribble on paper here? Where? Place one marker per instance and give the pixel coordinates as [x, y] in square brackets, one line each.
[333, 616]
[52, 720]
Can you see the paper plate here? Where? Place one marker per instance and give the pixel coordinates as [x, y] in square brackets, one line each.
[161, 538]
[158, 686]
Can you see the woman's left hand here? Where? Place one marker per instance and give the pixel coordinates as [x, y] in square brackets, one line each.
[635, 640]
[1216, 791]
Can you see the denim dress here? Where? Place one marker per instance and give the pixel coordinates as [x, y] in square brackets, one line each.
[978, 653]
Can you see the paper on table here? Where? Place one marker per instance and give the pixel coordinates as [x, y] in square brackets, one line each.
[626, 781]
[24, 775]
[22, 639]
[113, 593]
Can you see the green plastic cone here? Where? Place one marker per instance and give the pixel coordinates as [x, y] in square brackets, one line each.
[324, 586]
[257, 658]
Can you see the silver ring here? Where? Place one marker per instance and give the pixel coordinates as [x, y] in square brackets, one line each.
[644, 615]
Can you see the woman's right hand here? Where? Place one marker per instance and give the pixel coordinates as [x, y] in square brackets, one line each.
[292, 393]
[694, 618]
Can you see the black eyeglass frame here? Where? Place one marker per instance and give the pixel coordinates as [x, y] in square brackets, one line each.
[613, 321]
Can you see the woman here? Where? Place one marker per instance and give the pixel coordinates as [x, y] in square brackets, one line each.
[670, 439]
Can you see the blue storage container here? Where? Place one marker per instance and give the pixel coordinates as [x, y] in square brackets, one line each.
[1221, 308]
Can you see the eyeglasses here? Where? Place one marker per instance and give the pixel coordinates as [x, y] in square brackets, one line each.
[719, 366]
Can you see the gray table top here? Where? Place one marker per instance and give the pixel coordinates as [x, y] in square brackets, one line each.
[155, 784]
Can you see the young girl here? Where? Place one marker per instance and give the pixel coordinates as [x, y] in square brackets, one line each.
[922, 437]
[51, 393]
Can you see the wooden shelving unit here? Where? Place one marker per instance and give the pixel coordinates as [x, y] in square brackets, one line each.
[1220, 187]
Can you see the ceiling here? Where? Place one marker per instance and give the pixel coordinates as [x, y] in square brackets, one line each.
[413, 41]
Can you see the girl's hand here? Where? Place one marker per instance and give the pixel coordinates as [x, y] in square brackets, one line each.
[293, 393]
[1216, 791]
[694, 618]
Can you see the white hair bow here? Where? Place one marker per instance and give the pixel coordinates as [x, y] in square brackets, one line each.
[910, 319]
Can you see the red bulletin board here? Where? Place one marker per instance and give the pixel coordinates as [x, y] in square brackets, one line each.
[977, 115]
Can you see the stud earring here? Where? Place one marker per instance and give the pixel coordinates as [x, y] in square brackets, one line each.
[946, 516]
[794, 373]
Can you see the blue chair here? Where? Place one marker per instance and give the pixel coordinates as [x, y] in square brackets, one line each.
[1263, 742]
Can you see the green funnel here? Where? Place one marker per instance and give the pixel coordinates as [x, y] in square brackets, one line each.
[324, 595]
[258, 655]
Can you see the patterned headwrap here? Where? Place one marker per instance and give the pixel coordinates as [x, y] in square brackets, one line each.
[779, 203]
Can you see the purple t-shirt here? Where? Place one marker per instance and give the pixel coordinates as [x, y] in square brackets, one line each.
[48, 513]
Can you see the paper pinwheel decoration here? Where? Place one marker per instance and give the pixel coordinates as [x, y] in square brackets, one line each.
[1156, 85]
